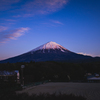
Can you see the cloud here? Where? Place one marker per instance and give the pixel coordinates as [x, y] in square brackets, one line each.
[43, 6]
[2, 28]
[57, 22]
[11, 20]
[12, 34]
[24, 15]
[53, 23]
[29, 8]
[17, 16]
[6, 4]
[93, 55]
[85, 54]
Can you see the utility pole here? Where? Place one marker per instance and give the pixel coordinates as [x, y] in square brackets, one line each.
[22, 78]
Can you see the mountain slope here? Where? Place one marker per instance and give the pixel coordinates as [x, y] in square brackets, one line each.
[50, 51]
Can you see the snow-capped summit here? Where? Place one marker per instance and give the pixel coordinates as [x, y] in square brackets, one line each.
[49, 46]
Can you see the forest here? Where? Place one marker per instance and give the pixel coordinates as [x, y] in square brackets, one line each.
[53, 71]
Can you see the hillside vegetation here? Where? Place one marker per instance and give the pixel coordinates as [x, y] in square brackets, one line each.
[54, 71]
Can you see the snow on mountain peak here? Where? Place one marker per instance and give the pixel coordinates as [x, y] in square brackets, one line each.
[48, 46]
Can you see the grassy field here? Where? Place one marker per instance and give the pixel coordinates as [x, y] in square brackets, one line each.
[89, 90]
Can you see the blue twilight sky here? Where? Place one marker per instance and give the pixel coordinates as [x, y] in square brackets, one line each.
[27, 24]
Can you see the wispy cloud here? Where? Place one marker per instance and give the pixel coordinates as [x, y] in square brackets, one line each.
[2, 28]
[12, 34]
[54, 23]
[57, 22]
[6, 4]
[43, 6]
[93, 55]
[85, 54]
[17, 16]
[11, 20]
[32, 7]
[24, 15]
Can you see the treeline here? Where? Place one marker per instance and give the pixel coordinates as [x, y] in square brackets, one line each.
[54, 71]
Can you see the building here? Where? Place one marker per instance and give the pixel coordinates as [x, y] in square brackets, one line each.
[9, 76]
[93, 78]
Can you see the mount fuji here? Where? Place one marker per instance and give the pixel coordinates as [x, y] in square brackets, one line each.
[50, 51]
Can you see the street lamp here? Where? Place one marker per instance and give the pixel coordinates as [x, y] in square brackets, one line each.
[22, 78]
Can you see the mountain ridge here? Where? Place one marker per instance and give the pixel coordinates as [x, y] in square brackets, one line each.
[50, 51]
